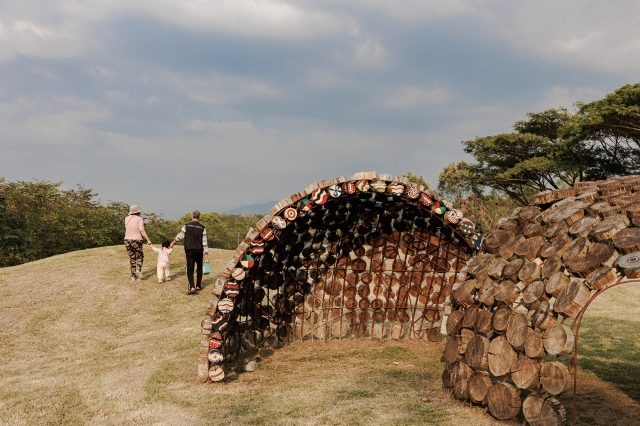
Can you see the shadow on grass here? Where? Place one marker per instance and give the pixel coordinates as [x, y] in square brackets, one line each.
[610, 349]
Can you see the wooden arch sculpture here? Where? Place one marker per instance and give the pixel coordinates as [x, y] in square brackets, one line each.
[370, 256]
[544, 265]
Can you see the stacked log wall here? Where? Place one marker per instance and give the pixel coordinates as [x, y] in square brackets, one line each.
[544, 263]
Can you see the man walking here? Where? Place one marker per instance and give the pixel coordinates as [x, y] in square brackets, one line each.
[195, 244]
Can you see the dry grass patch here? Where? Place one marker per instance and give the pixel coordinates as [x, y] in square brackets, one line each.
[82, 344]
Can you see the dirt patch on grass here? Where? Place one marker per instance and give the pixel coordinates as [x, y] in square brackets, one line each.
[83, 344]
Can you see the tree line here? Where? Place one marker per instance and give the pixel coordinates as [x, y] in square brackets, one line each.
[39, 219]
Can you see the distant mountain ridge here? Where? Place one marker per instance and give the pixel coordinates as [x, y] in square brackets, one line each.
[262, 208]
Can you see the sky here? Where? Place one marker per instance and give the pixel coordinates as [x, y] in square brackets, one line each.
[212, 104]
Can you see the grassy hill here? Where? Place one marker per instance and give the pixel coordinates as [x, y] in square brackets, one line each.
[82, 344]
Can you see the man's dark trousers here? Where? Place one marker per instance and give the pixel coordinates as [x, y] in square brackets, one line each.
[194, 256]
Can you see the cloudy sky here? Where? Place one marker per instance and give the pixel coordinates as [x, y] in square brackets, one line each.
[211, 104]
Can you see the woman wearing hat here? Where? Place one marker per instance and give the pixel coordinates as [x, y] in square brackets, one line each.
[134, 231]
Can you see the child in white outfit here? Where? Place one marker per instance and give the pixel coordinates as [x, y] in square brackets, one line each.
[163, 261]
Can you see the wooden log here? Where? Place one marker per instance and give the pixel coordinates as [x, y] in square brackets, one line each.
[633, 210]
[551, 266]
[470, 315]
[609, 227]
[556, 283]
[534, 346]
[543, 411]
[477, 353]
[533, 230]
[555, 230]
[484, 320]
[543, 197]
[501, 318]
[503, 401]
[525, 373]
[630, 264]
[627, 240]
[612, 211]
[596, 208]
[479, 386]
[565, 192]
[451, 352]
[556, 247]
[465, 337]
[534, 294]
[589, 196]
[479, 264]
[528, 214]
[577, 248]
[494, 240]
[558, 340]
[454, 322]
[495, 269]
[507, 250]
[543, 317]
[572, 298]
[530, 247]
[517, 331]
[555, 377]
[529, 272]
[553, 413]
[506, 292]
[601, 278]
[597, 256]
[508, 224]
[485, 293]
[511, 270]
[531, 408]
[461, 373]
[567, 214]
[501, 356]
[582, 227]
[463, 295]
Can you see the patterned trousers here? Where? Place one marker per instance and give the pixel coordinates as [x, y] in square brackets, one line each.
[136, 256]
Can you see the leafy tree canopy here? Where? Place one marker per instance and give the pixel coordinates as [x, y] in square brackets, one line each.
[552, 149]
[418, 179]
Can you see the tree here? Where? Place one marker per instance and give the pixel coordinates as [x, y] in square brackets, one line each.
[57, 221]
[610, 129]
[418, 179]
[457, 181]
[540, 154]
[553, 148]
[13, 237]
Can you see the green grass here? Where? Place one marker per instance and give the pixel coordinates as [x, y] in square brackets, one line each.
[611, 350]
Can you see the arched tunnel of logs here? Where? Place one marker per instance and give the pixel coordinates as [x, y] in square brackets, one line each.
[367, 257]
[508, 330]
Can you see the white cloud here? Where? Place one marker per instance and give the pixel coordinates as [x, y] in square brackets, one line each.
[65, 28]
[420, 10]
[602, 36]
[21, 36]
[102, 72]
[369, 53]
[559, 96]
[224, 89]
[416, 96]
[117, 97]
[50, 120]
